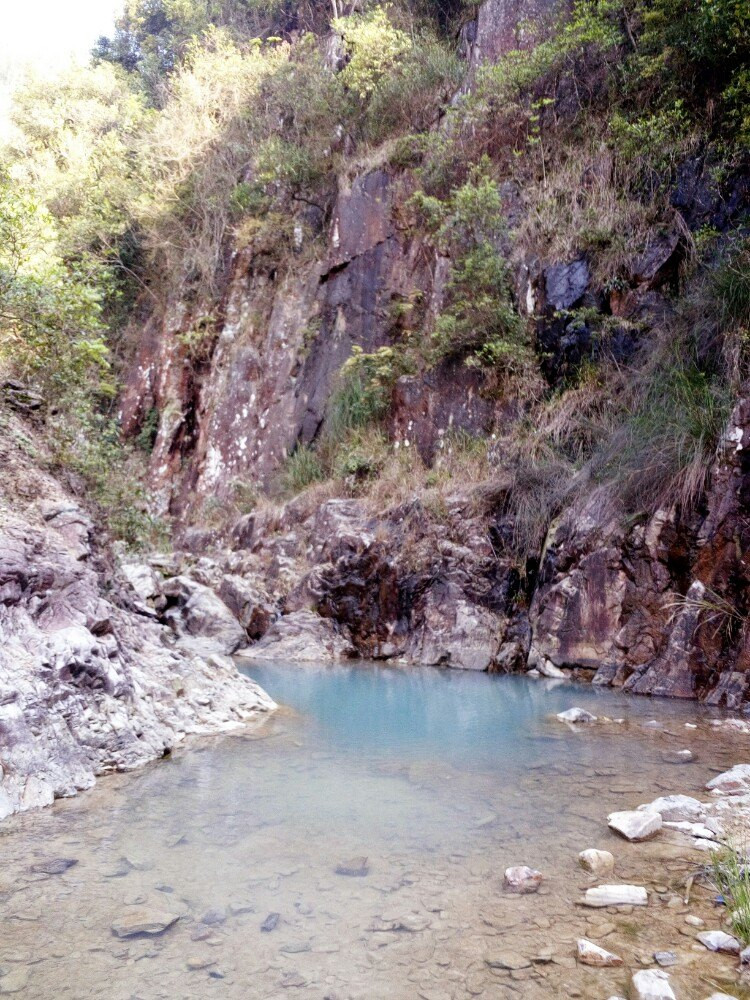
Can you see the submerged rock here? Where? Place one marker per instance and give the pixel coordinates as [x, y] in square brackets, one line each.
[591, 954]
[635, 825]
[355, 867]
[522, 879]
[53, 866]
[140, 920]
[576, 715]
[271, 922]
[510, 960]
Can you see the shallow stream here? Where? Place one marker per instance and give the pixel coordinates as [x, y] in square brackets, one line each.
[439, 779]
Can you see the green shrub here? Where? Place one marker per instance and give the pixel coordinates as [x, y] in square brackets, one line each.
[662, 452]
[363, 395]
[301, 469]
[731, 287]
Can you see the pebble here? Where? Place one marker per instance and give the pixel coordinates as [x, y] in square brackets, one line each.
[719, 941]
[196, 964]
[596, 862]
[271, 922]
[665, 958]
[591, 954]
[522, 879]
[694, 921]
[214, 916]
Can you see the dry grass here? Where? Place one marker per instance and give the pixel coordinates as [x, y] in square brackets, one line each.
[584, 205]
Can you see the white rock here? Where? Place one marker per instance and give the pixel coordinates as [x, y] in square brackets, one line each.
[651, 984]
[721, 996]
[693, 829]
[616, 895]
[591, 954]
[522, 879]
[576, 715]
[548, 669]
[719, 941]
[731, 782]
[676, 808]
[635, 825]
[597, 862]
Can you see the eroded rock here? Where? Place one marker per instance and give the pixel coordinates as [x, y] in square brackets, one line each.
[592, 954]
[635, 825]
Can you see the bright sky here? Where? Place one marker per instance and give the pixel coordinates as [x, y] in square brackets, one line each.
[46, 33]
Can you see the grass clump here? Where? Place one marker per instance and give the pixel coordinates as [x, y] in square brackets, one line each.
[730, 872]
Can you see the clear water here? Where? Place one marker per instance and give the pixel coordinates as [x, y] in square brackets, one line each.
[439, 779]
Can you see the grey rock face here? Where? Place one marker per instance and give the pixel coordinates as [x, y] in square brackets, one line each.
[87, 684]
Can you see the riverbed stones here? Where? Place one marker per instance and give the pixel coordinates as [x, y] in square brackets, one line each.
[676, 808]
[651, 984]
[635, 825]
[508, 960]
[270, 923]
[591, 954]
[141, 920]
[616, 895]
[15, 981]
[665, 958]
[576, 715]
[596, 862]
[719, 941]
[353, 867]
[522, 880]
[735, 781]
[53, 866]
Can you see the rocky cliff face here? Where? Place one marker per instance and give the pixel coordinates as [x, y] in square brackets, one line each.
[657, 606]
[91, 682]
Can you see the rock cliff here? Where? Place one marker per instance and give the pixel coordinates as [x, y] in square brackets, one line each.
[90, 682]
[653, 603]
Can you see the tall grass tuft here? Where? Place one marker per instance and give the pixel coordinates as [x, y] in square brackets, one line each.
[731, 876]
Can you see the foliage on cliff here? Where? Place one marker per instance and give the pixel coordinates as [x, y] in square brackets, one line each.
[205, 126]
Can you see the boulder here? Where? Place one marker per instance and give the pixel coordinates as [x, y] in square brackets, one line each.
[651, 984]
[591, 954]
[142, 579]
[250, 604]
[522, 879]
[634, 825]
[301, 636]
[576, 715]
[596, 862]
[616, 895]
[719, 941]
[735, 781]
[201, 620]
[566, 284]
[676, 808]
